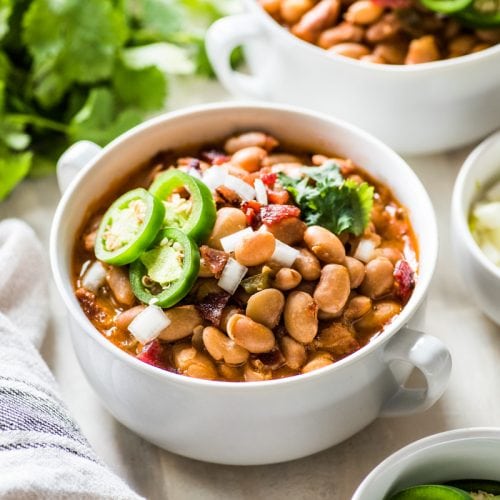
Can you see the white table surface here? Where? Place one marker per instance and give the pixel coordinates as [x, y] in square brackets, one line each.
[471, 398]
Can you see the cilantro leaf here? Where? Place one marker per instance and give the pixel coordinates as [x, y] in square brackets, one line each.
[145, 88]
[327, 199]
[71, 41]
[100, 120]
[13, 168]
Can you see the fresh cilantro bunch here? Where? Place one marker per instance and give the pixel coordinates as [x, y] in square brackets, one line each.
[327, 199]
[88, 69]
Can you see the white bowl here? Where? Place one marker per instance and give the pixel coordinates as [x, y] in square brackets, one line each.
[459, 454]
[251, 422]
[479, 274]
[415, 109]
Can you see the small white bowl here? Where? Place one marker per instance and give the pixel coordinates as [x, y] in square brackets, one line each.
[471, 453]
[480, 275]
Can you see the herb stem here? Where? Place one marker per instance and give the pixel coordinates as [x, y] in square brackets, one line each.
[38, 121]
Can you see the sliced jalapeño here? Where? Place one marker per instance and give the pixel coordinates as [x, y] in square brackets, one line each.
[164, 274]
[128, 227]
[189, 204]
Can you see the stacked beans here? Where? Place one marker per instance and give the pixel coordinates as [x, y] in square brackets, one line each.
[327, 305]
[367, 31]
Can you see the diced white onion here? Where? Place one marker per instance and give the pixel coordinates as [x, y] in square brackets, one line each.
[284, 254]
[215, 176]
[488, 215]
[95, 277]
[260, 192]
[364, 251]
[232, 275]
[229, 242]
[194, 173]
[493, 194]
[148, 324]
[241, 188]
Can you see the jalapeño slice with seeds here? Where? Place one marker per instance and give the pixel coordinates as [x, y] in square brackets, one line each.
[446, 6]
[128, 227]
[189, 204]
[481, 14]
[164, 274]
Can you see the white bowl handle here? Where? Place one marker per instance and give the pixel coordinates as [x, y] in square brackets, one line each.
[73, 160]
[222, 38]
[431, 357]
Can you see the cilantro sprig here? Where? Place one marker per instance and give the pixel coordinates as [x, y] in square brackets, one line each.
[88, 69]
[327, 199]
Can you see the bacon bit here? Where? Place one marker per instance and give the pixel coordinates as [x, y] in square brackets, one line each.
[278, 197]
[215, 157]
[273, 359]
[394, 4]
[195, 164]
[405, 280]
[269, 179]
[154, 354]
[96, 312]
[212, 305]
[228, 195]
[271, 214]
[252, 212]
[214, 259]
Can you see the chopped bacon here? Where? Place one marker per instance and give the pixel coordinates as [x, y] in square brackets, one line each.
[215, 157]
[278, 197]
[252, 213]
[195, 164]
[228, 195]
[212, 305]
[272, 359]
[271, 214]
[404, 277]
[394, 4]
[214, 259]
[154, 354]
[269, 179]
[94, 309]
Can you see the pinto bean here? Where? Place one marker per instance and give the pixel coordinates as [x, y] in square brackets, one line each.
[183, 320]
[489, 35]
[461, 45]
[318, 360]
[89, 241]
[386, 27]
[118, 280]
[292, 10]
[307, 264]
[363, 12]
[372, 58]
[323, 15]
[338, 339]
[294, 352]
[230, 372]
[356, 271]
[255, 248]
[349, 49]
[229, 220]
[277, 158]
[192, 363]
[265, 307]
[206, 286]
[249, 334]
[333, 288]
[287, 279]
[125, 318]
[480, 46]
[249, 159]
[422, 50]
[357, 307]
[301, 316]
[222, 348]
[272, 7]
[290, 230]
[381, 313]
[393, 52]
[324, 244]
[256, 371]
[227, 312]
[391, 253]
[197, 338]
[343, 32]
[379, 278]
[249, 139]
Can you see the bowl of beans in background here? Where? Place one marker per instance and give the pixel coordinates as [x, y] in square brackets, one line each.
[461, 464]
[419, 80]
[475, 220]
[211, 285]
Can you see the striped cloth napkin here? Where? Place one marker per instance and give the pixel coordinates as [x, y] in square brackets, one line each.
[42, 452]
